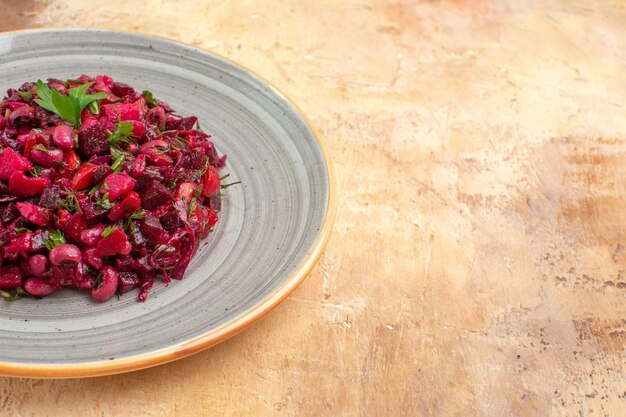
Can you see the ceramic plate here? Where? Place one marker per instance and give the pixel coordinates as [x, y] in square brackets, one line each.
[271, 232]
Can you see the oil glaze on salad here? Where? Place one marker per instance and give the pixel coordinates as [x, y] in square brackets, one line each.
[102, 189]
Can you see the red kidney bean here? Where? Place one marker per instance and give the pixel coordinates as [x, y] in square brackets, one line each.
[65, 255]
[133, 148]
[62, 137]
[21, 115]
[109, 284]
[157, 143]
[39, 287]
[47, 158]
[38, 265]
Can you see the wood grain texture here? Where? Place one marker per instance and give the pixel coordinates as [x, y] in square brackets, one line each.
[477, 264]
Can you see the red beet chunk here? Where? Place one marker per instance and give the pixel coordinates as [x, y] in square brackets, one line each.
[22, 246]
[127, 281]
[123, 112]
[75, 226]
[10, 277]
[122, 90]
[127, 206]
[11, 161]
[152, 228]
[91, 140]
[101, 173]
[84, 177]
[186, 191]
[23, 186]
[116, 243]
[139, 165]
[35, 214]
[50, 197]
[211, 184]
[171, 221]
[139, 128]
[116, 185]
[71, 161]
[155, 195]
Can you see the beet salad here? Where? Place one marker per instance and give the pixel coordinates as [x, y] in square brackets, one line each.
[102, 188]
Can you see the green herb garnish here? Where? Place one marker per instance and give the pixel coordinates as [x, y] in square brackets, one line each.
[36, 171]
[130, 224]
[123, 132]
[119, 157]
[108, 230]
[70, 204]
[199, 173]
[98, 281]
[22, 230]
[192, 207]
[25, 95]
[94, 189]
[223, 187]
[69, 106]
[150, 98]
[55, 238]
[40, 147]
[138, 215]
[118, 163]
[104, 202]
[21, 292]
[94, 107]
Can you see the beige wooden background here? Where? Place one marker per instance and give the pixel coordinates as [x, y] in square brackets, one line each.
[477, 263]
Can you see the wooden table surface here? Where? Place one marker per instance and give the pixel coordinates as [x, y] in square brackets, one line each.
[477, 262]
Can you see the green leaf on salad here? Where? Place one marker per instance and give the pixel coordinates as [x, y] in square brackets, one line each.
[67, 107]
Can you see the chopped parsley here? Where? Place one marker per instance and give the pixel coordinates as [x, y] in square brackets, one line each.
[150, 98]
[55, 238]
[108, 230]
[122, 134]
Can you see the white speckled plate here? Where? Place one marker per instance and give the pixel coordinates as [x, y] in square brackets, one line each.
[271, 232]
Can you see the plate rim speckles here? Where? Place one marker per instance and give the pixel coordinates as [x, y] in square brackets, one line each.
[230, 328]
